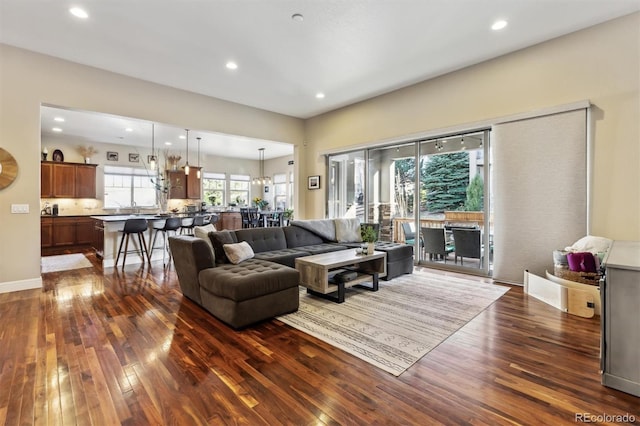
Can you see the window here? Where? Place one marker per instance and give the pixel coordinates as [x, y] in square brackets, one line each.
[280, 191]
[239, 189]
[214, 188]
[128, 187]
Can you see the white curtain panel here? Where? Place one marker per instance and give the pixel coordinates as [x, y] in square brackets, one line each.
[540, 191]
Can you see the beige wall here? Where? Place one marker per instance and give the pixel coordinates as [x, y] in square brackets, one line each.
[600, 64]
[28, 79]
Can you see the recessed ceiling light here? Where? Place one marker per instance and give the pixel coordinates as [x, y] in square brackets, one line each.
[498, 25]
[182, 137]
[167, 143]
[232, 65]
[78, 13]
[57, 129]
[59, 119]
[297, 17]
[128, 129]
[320, 95]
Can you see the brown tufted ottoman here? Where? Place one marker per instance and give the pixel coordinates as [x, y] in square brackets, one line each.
[238, 295]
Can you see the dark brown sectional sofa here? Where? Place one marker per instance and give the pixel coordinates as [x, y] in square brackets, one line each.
[266, 285]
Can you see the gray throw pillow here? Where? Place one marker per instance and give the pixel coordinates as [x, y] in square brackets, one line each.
[218, 240]
[238, 252]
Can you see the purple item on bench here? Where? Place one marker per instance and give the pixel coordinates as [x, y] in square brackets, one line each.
[582, 262]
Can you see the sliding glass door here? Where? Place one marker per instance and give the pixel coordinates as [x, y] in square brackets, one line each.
[432, 194]
[454, 209]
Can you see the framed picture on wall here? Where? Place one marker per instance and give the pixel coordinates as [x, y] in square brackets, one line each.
[112, 156]
[134, 158]
[314, 182]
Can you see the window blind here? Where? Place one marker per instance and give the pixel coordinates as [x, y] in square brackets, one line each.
[540, 191]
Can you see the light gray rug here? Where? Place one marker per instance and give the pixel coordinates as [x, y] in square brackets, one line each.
[397, 325]
[64, 262]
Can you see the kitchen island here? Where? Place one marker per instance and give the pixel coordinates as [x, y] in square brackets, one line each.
[108, 228]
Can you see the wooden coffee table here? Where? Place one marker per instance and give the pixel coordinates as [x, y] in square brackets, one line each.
[316, 269]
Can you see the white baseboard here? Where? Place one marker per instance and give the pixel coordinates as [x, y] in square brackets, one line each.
[29, 284]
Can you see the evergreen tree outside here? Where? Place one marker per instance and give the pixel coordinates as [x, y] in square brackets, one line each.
[445, 178]
[475, 195]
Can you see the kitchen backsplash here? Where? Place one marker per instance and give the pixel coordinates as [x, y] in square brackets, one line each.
[89, 207]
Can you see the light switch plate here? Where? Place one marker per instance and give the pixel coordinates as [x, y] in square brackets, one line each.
[20, 208]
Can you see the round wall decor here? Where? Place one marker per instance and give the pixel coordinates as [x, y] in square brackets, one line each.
[8, 168]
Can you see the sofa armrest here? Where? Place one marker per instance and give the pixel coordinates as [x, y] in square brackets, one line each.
[190, 256]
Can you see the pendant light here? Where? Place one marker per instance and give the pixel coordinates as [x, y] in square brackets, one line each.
[153, 159]
[262, 180]
[198, 174]
[186, 166]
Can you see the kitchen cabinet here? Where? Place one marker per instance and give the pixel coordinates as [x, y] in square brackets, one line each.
[98, 237]
[67, 180]
[229, 221]
[67, 232]
[620, 320]
[46, 232]
[184, 186]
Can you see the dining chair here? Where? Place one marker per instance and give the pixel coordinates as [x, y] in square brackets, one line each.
[435, 243]
[409, 233]
[467, 244]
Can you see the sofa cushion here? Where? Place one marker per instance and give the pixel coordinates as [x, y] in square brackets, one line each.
[298, 237]
[284, 257]
[324, 228]
[263, 239]
[253, 278]
[238, 252]
[322, 248]
[218, 239]
[348, 230]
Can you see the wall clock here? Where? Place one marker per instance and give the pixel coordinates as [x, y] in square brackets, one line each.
[8, 168]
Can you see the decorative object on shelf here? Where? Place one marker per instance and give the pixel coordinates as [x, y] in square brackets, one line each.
[172, 160]
[8, 168]
[152, 159]
[58, 155]
[134, 158]
[260, 203]
[199, 174]
[314, 182]
[186, 166]
[87, 152]
[262, 179]
[45, 152]
[112, 156]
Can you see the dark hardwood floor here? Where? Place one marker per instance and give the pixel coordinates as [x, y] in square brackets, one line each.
[124, 347]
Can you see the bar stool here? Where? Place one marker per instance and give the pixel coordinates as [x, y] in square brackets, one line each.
[134, 226]
[187, 224]
[171, 224]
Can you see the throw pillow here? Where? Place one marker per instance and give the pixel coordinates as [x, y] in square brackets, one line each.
[218, 240]
[238, 252]
[591, 244]
[203, 232]
[348, 230]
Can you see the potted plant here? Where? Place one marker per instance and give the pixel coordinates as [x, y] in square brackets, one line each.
[369, 236]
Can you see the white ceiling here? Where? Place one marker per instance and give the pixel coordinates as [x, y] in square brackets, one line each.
[350, 50]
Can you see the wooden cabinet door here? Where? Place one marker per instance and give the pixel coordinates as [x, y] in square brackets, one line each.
[84, 231]
[177, 184]
[194, 184]
[46, 180]
[85, 181]
[64, 180]
[64, 232]
[46, 232]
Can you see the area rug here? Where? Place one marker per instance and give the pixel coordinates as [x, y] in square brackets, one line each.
[397, 325]
[64, 262]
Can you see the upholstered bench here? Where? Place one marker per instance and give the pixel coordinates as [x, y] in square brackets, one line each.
[399, 258]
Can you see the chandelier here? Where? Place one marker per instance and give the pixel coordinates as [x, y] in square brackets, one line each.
[262, 179]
